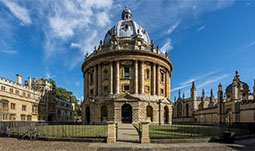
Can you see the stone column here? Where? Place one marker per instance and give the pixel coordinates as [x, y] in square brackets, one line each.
[153, 79]
[111, 137]
[99, 78]
[84, 85]
[111, 78]
[157, 80]
[169, 87]
[166, 84]
[95, 80]
[141, 77]
[87, 84]
[117, 80]
[135, 76]
[145, 133]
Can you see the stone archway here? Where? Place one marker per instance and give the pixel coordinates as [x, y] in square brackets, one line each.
[166, 115]
[126, 113]
[87, 114]
[149, 112]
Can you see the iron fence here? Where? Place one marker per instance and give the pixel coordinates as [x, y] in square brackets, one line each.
[52, 129]
[178, 131]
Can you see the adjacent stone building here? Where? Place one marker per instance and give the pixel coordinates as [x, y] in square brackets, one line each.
[35, 100]
[237, 105]
[127, 78]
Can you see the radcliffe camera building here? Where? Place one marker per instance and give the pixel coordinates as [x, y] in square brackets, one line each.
[35, 100]
[127, 78]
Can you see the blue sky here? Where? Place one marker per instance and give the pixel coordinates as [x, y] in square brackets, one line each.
[207, 40]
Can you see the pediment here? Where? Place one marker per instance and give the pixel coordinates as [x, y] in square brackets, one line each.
[128, 97]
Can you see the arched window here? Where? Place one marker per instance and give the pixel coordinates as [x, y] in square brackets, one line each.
[149, 113]
[187, 109]
[104, 114]
[87, 115]
[166, 115]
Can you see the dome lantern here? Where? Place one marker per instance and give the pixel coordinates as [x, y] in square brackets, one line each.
[126, 14]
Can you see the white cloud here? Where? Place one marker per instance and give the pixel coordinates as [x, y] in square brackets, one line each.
[174, 26]
[212, 80]
[62, 27]
[48, 75]
[188, 82]
[251, 44]
[77, 21]
[75, 45]
[200, 28]
[10, 52]
[102, 19]
[167, 46]
[20, 12]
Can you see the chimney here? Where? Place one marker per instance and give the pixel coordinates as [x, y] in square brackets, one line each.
[19, 79]
[29, 82]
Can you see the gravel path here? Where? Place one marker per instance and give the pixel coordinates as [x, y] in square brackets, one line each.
[12, 144]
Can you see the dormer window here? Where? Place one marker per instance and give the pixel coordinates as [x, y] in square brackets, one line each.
[126, 72]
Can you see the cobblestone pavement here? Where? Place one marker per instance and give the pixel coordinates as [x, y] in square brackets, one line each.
[12, 144]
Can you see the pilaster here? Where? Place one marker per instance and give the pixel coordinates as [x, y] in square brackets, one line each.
[153, 79]
[99, 78]
[135, 76]
[117, 80]
[166, 83]
[158, 80]
[87, 84]
[111, 78]
[95, 80]
[141, 77]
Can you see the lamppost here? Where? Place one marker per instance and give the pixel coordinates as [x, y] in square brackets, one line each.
[93, 101]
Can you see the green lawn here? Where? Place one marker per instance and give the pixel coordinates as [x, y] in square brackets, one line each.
[189, 131]
[65, 130]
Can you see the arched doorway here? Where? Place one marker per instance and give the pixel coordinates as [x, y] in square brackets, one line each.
[166, 115]
[149, 112]
[126, 113]
[104, 113]
[87, 114]
[179, 109]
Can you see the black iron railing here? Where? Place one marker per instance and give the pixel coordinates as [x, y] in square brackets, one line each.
[52, 129]
[178, 131]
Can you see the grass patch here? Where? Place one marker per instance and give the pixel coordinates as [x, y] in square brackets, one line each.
[65, 130]
[189, 131]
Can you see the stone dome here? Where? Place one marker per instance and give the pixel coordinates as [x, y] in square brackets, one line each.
[126, 28]
[236, 81]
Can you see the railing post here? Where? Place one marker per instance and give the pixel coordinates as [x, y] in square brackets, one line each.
[145, 133]
[111, 137]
